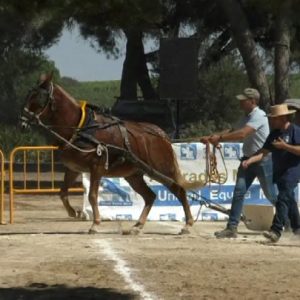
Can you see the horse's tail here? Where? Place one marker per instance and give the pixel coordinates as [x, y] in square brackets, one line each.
[180, 180]
[187, 185]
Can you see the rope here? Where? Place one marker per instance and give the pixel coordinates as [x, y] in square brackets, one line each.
[212, 173]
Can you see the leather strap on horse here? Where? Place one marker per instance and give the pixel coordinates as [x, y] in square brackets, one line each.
[131, 157]
[124, 134]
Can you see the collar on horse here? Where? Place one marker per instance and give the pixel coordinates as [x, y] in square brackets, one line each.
[83, 113]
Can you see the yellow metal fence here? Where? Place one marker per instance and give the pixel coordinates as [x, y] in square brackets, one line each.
[38, 154]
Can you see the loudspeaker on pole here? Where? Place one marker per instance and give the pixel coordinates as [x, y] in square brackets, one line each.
[179, 68]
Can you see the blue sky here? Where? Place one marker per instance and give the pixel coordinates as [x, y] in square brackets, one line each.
[75, 58]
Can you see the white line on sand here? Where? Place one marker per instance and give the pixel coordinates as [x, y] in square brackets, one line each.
[122, 268]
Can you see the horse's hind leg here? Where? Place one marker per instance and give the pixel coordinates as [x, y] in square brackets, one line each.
[69, 180]
[138, 184]
[180, 193]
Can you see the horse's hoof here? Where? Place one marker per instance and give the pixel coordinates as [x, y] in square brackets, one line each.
[85, 216]
[132, 231]
[93, 229]
[72, 214]
[184, 230]
[79, 214]
[126, 232]
[135, 231]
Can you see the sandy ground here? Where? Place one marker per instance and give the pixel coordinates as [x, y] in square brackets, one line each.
[46, 255]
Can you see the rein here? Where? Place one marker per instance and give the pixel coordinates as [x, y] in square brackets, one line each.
[212, 173]
[48, 128]
[78, 130]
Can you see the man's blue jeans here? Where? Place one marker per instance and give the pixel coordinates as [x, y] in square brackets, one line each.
[263, 170]
[286, 205]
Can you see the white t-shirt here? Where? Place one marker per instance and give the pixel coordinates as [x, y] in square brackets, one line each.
[257, 120]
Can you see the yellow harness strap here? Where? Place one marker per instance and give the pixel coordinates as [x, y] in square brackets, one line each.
[83, 114]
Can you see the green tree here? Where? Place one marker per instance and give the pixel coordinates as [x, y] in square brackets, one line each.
[27, 27]
[104, 22]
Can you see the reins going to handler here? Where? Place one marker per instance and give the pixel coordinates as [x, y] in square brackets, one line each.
[212, 173]
[212, 176]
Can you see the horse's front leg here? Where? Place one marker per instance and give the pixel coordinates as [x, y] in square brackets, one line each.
[93, 199]
[69, 180]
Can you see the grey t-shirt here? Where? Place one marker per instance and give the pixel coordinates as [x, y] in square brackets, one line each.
[258, 120]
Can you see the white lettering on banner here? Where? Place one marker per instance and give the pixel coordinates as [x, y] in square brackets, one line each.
[224, 195]
[192, 163]
[164, 195]
[216, 195]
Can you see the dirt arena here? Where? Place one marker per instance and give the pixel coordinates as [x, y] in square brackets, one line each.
[46, 255]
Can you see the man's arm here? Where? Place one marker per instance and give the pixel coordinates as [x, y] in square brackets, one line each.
[281, 144]
[233, 136]
[255, 158]
[205, 139]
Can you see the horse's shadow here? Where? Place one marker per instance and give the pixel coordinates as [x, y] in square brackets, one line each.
[104, 232]
[41, 291]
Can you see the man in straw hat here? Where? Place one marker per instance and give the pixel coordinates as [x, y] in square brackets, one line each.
[284, 143]
[253, 131]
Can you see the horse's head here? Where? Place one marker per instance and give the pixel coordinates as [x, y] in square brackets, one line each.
[39, 102]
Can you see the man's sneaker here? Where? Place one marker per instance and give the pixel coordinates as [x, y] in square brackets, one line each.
[229, 232]
[297, 232]
[272, 236]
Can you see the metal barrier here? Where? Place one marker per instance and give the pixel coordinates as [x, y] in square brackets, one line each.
[38, 189]
[2, 176]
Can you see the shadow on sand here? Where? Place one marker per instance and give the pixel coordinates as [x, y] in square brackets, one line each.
[40, 291]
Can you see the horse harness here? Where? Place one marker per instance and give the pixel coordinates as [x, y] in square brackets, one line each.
[83, 137]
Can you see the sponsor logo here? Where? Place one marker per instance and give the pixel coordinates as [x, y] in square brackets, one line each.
[113, 194]
[232, 151]
[124, 217]
[167, 217]
[188, 151]
[209, 217]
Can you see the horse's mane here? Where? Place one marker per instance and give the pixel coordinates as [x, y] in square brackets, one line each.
[66, 94]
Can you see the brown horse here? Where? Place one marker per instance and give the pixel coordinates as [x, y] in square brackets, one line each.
[106, 146]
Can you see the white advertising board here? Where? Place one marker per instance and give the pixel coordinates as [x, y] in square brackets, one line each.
[118, 201]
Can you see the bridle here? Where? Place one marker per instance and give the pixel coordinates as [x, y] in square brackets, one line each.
[46, 95]
[29, 117]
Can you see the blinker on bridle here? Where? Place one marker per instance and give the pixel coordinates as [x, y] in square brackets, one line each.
[46, 95]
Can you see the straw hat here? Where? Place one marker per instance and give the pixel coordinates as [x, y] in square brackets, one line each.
[280, 110]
